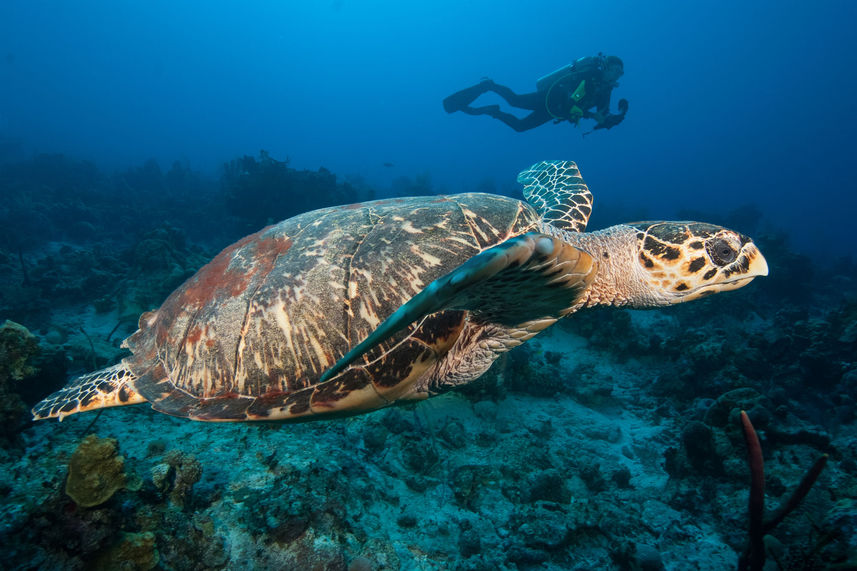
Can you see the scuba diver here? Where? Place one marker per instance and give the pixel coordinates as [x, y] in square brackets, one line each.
[568, 94]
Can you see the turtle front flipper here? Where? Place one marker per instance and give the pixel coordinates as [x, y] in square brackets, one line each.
[526, 282]
[101, 389]
[558, 192]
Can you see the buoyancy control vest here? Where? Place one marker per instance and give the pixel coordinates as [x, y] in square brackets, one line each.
[566, 86]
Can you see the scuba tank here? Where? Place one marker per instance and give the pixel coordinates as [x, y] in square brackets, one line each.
[546, 81]
[580, 65]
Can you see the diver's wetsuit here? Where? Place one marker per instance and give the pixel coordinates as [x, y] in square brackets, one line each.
[554, 101]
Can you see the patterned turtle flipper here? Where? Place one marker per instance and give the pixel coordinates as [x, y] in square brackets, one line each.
[558, 192]
[104, 388]
[519, 283]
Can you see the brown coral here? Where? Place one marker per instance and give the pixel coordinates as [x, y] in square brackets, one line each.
[95, 471]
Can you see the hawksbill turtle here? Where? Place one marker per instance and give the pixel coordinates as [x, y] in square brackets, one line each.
[349, 309]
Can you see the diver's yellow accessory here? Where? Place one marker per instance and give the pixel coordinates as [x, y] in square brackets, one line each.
[575, 113]
[578, 93]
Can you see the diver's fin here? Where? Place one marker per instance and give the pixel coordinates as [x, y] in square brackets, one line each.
[461, 99]
[528, 278]
[101, 389]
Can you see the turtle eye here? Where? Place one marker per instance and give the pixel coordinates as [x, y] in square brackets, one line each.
[721, 251]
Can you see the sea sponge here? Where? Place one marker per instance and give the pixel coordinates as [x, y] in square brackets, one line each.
[95, 471]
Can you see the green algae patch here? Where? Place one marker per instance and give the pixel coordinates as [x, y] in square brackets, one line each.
[95, 471]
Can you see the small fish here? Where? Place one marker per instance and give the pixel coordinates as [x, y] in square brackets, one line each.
[389, 165]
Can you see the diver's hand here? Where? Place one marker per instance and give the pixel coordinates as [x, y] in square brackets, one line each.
[623, 106]
[610, 121]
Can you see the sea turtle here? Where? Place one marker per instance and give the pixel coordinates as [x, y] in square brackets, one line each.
[349, 309]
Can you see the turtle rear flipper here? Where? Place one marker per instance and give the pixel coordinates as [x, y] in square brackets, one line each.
[526, 282]
[101, 389]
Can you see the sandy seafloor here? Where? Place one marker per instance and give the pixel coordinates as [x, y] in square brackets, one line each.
[492, 479]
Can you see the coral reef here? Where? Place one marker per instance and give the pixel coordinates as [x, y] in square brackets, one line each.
[133, 551]
[177, 474]
[158, 264]
[265, 190]
[18, 351]
[613, 442]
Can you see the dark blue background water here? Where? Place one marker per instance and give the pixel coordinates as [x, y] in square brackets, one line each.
[730, 103]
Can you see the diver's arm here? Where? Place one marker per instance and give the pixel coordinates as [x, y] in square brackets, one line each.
[604, 118]
[602, 100]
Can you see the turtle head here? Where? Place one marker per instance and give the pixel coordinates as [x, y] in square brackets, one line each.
[682, 261]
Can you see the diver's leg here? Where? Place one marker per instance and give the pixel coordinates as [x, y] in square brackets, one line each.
[461, 100]
[532, 120]
[532, 101]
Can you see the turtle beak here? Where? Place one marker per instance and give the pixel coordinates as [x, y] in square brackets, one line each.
[753, 266]
[758, 264]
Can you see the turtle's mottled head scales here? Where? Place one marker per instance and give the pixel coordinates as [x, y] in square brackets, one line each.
[682, 261]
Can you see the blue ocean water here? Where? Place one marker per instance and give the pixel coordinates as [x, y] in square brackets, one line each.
[139, 139]
[729, 104]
